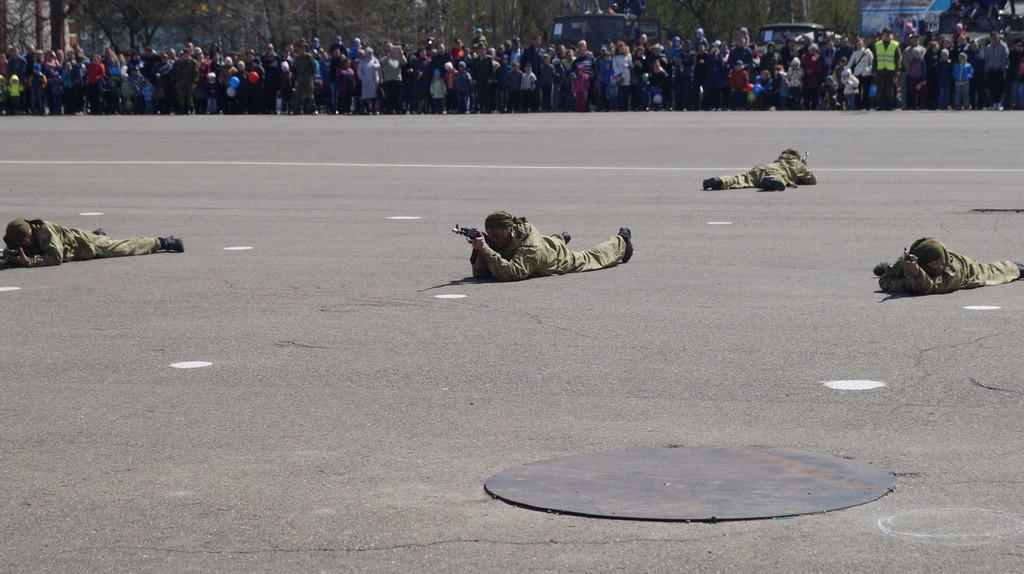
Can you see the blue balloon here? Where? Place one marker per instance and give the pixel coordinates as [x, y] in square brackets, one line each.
[873, 91]
[234, 82]
[758, 89]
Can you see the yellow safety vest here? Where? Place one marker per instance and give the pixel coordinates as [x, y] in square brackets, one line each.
[885, 58]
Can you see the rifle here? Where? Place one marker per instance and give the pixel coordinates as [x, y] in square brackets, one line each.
[471, 233]
[5, 259]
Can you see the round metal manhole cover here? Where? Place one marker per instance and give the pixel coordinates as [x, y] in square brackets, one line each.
[692, 484]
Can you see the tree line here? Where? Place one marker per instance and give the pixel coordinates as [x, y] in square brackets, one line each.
[126, 25]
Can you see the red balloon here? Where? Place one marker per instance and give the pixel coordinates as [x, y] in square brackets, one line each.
[750, 87]
[254, 78]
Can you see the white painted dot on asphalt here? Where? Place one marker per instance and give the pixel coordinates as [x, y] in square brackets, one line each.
[953, 525]
[981, 307]
[719, 223]
[190, 365]
[404, 217]
[450, 296]
[238, 248]
[91, 213]
[853, 385]
[9, 288]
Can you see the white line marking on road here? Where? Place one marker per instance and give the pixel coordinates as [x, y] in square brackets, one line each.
[501, 167]
[91, 213]
[450, 296]
[403, 217]
[981, 307]
[238, 248]
[190, 365]
[9, 288]
[719, 223]
[853, 385]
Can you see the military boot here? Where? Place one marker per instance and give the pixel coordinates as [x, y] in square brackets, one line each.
[625, 233]
[566, 237]
[713, 183]
[172, 243]
[769, 184]
[883, 268]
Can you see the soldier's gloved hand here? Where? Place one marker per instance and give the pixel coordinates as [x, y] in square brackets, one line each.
[910, 266]
[480, 244]
[20, 258]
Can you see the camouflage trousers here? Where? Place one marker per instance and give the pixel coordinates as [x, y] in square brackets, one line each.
[604, 255]
[304, 93]
[185, 99]
[90, 246]
[754, 177]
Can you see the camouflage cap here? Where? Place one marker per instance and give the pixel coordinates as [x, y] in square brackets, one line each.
[498, 220]
[17, 231]
[928, 249]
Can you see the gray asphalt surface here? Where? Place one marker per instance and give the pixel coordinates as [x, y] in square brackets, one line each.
[349, 418]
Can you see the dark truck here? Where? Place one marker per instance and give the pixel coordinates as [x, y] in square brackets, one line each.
[597, 28]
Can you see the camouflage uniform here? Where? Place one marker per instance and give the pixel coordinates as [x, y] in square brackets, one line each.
[304, 69]
[53, 245]
[960, 273]
[188, 75]
[530, 254]
[788, 169]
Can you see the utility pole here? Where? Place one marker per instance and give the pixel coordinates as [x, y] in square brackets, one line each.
[57, 25]
[39, 25]
[3, 25]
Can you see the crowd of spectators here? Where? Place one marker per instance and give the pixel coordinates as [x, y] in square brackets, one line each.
[698, 73]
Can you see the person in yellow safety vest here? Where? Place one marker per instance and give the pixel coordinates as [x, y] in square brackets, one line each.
[887, 61]
[14, 91]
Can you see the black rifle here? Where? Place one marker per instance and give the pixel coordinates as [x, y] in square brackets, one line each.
[469, 232]
[5, 259]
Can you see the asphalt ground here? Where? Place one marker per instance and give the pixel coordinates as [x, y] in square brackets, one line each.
[350, 418]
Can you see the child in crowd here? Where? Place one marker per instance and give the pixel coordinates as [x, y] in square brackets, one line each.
[14, 92]
[149, 97]
[450, 92]
[138, 82]
[127, 92]
[613, 92]
[763, 84]
[515, 88]
[438, 91]
[55, 87]
[782, 81]
[963, 71]
[659, 85]
[287, 90]
[851, 87]
[645, 92]
[212, 90]
[501, 78]
[528, 90]
[463, 84]
[738, 81]
[827, 93]
[37, 87]
[580, 87]
[944, 74]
